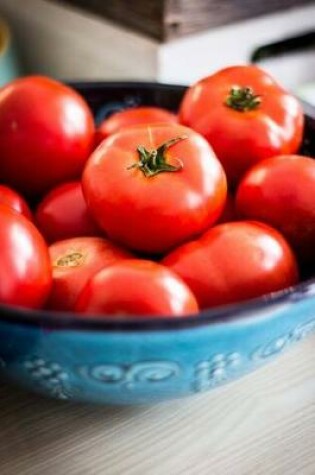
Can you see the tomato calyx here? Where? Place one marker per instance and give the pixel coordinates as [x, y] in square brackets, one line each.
[71, 259]
[242, 99]
[152, 162]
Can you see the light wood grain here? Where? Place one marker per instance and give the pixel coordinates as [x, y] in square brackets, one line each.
[263, 424]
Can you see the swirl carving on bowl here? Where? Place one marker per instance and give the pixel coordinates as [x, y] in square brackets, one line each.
[130, 376]
[52, 378]
[280, 343]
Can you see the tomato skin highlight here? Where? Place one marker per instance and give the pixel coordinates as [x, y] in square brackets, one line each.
[280, 191]
[46, 134]
[241, 138]
[136, 288]
[15, 201]
[152, 214]
[131, 117]
[63, 214]
[74, 261]
[234, 262]
[25, 272]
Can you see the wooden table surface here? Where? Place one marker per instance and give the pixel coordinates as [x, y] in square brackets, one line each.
[263, 424]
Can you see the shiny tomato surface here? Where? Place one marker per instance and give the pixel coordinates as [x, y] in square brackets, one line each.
[151, 188]
[25, 271]
[234, 262]
[281, 192]
[63, 214]
[46, 134]
[245, 115]
[131, 117]
[14, 200]
[74, 262]
[136, 288]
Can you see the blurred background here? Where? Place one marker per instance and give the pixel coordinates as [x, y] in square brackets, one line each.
[175, 41]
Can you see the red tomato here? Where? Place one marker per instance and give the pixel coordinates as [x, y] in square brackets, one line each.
[229, 212]
[245, 115]
[153, 187]
[46, 134]
[137, 287]
[15, 201]
[281, 191]
[74, 262]
[63, 214]
[25, 272]
[234, 262]
[131, 117]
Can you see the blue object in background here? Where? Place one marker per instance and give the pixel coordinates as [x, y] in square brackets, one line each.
[141, 361]
[9, 65]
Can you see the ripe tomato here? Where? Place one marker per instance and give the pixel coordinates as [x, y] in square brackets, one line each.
[137, 287]
[152, 187]
[25, 272]
[131, 117]
[245, 115]
[46, 134]
[229, 212]
[13, 200]
[281, 191]
[213, 266]
[63, 214]
[74, 262]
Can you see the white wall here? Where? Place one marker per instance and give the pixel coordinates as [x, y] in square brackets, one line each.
[188, 59]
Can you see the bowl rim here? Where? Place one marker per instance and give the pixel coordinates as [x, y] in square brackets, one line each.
[226, 314]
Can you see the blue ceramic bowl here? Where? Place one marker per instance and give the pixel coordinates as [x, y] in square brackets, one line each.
[145, 361]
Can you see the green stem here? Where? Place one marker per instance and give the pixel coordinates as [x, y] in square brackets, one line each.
[155, 161]
[242, 99]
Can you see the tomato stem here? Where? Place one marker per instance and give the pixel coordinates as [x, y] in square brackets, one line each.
[242, 99]
[155, 161]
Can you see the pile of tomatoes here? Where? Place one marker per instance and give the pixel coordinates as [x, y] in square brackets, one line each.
[153, 213]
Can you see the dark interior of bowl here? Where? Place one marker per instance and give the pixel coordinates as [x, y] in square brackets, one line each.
[105, 98]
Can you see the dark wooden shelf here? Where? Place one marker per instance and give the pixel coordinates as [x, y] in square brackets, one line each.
[168, 19]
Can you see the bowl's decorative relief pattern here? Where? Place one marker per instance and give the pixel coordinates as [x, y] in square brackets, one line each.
[278, 344]
[129, 376]
[49, 376]
[59, 380]
[215, 371]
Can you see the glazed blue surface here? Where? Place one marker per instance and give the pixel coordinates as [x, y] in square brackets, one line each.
[149, 365]
[134, 362]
